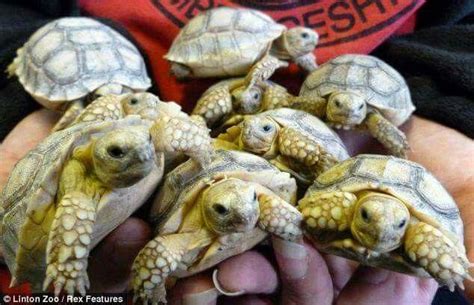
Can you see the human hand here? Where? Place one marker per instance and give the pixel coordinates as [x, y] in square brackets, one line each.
[315, 278]
[111, 260]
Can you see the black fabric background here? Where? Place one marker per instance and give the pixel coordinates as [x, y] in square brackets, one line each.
[437, 61]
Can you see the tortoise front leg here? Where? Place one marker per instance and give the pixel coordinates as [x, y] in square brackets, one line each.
[437, 254]
[302, 148]
[312, 105]
[183, 135]
[104, 108]
[214, 106]
[72, 112]
[278, 217]
[328, 212]
[69, 244]
[263, 70]
[153, 264]
[161, 257]
[388, 134]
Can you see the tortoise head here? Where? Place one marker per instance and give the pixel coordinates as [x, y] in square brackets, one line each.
[123, 157]
[143, 104]
[230, 206]
[247, 101]
[300, 41]
[346, 108]
[259, 135]
[380, 221]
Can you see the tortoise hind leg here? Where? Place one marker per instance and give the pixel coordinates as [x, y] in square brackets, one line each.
[437, 254]
[69, 244]
[181, 72]
[73, 111]
[388, 134]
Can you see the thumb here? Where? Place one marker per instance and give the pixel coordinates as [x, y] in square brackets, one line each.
[304, 274]
[111, 261]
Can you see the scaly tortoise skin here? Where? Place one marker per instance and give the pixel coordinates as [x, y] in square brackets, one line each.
[388, 212]
[293, 140]
[113, 107]
[80, 183]
[205, 216]
[360, 91]
[71, 59]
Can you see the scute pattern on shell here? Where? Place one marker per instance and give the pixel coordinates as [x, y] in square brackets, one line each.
[225, 39]
[184, 181]
[70, 57]
[312, 127]
[32, 186]
[404, 179]
[381, 85]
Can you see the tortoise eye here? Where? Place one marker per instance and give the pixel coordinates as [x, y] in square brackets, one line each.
[402, 223]
[267, 128]
[220, 209]
[256, 96]
[361, 106]
[116, 152]
[338, 104]
[304, 35]
[133, 101]
[365, 215]
[254, 196]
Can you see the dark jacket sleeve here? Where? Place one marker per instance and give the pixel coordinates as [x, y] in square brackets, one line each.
[438, 62]
[18, 20]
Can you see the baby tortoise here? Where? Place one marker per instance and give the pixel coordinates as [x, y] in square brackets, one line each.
[79, 184]
[70, 60]
[293, 140]
[227, 41]
[388, 212]
[360, 91]
[206, 216]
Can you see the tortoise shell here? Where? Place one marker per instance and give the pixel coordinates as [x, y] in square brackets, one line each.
[424, 195]
[29, 196]
[71, 57]
[224, 41]
[381, 85]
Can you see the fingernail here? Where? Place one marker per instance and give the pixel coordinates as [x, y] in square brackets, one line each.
[207, 297]
[372, 275]
[292, 258]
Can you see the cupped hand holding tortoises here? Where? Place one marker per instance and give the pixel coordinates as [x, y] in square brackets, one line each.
[335, 277]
